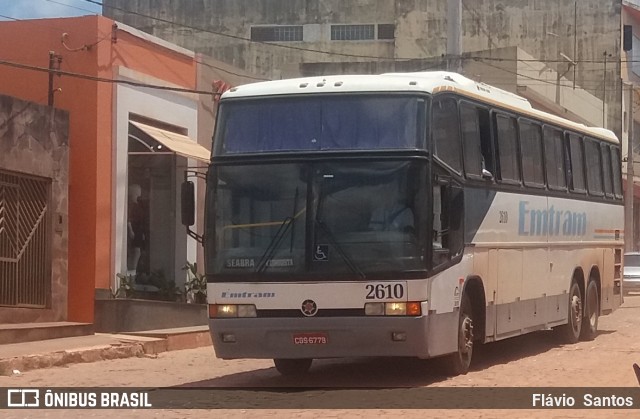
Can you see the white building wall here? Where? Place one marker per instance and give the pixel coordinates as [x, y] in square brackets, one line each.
[176, 108]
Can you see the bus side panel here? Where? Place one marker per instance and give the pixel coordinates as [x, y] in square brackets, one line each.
[606, 281]
[535, 280]
[508, 311]
[445, 293]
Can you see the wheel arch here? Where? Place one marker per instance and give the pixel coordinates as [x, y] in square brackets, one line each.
[474, 288]
[578, 276]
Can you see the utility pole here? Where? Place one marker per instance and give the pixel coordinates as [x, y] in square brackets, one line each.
[454, 38]
[53, 58]
[604, 91]
[629, 230]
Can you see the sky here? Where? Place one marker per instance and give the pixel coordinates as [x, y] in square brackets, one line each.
[35, 9]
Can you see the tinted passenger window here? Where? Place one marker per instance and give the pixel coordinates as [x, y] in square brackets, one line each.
[507, 148]
[617, 171]
[446, 133]
[594, 167]
[532, 162]
[606, 169]
[576, 159]
[554, 158]
[471, 139]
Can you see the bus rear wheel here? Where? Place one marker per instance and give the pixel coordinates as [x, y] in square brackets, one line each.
[591, 312]
[570, 332]
[290, 367]
[458, 363]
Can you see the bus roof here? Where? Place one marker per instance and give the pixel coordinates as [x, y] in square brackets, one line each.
[426, 81]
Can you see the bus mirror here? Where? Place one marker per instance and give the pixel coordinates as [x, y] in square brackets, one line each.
[188, 207]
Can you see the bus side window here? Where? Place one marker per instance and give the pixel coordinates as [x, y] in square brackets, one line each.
[617, 172]
[594, 167]
[446, 132]
[576, 163]
[508, 154]
[531, 148]
[554, 158]
[606, 169]
[476, 137]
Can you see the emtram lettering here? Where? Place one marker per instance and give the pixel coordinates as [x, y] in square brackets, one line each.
[537, 222]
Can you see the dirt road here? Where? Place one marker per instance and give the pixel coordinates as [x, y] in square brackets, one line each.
[535, 360]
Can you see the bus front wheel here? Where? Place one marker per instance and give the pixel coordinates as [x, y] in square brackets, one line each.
[458, 363]
[570, 332]
[290, 367]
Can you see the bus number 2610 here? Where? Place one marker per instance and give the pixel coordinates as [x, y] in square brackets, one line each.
[384, 291]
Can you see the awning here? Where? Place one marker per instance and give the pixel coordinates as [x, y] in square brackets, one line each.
[178, 143]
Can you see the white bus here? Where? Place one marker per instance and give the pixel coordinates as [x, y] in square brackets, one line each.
[409, 215]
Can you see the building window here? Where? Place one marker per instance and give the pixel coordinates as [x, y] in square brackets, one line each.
[276, 33]
[386, 31]
[352, 32]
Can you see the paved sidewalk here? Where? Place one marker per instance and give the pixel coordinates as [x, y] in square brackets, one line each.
[19, 357]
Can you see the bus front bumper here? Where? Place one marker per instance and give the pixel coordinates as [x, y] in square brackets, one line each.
[326, 337]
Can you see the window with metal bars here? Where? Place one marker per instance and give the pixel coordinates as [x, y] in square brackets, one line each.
[276, 33]
[352, 32]
[25, 236]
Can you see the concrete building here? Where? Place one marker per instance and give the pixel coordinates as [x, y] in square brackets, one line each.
[133, 109]
[34, 221]
[630, 72]
[579, 41]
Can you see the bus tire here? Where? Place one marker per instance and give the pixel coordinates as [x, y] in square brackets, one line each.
[458, 363]
[570, 332]
[591, 312]
[292, 367]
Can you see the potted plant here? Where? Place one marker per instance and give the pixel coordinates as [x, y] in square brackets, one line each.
[196, 284]
[125, 288]
[167, 290]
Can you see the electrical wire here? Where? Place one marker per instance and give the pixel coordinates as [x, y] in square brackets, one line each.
[249, 40]
[73, 7]
[103, 79]
[241, 38]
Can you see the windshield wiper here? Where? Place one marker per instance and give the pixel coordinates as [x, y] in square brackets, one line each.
[275, 242]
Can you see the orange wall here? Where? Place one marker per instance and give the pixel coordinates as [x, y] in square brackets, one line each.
[90, 106]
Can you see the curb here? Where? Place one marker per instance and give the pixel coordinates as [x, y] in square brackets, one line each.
[83, 355]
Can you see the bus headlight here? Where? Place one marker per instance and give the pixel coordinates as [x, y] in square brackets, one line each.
[395, 309]
[411, 308]
[232, 310]
[374, 309]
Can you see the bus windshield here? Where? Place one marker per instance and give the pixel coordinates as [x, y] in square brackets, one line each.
[347, 219]
[345, 122]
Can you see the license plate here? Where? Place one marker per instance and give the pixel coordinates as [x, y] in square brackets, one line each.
[310, 339]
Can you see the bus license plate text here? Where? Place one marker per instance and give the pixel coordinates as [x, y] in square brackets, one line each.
[310, 339]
